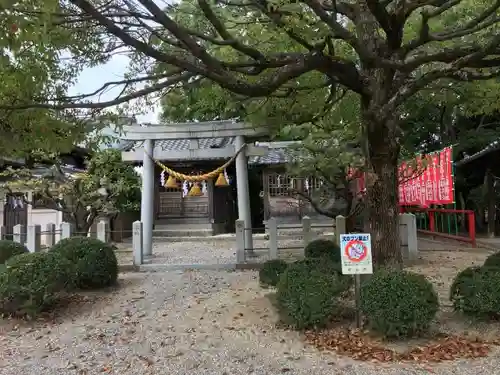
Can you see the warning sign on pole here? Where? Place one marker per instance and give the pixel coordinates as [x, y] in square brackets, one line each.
[356, 254]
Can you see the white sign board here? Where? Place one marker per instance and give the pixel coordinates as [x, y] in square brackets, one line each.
[356, 254]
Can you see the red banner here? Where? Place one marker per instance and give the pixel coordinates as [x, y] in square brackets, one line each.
[430, 183]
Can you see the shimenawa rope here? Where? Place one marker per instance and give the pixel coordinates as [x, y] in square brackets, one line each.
[197, 178]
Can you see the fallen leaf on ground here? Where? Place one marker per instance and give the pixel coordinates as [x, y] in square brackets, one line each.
[358, 346]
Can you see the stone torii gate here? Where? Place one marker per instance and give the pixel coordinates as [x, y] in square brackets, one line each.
[149, 133]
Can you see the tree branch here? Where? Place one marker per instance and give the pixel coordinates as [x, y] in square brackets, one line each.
[339, 31]
[65, 103]
[224, 33]
[456, 74]
[478, 23]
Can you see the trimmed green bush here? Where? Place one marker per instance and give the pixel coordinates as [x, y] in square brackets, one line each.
[476, 292]
[493, 260]
[323, 248]
[94, 262]
[307, 293]
[30, 282]
[398, 303]
[323, 264]
[8, 249]
[270, 273]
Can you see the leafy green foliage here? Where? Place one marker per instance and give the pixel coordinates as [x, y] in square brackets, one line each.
[493, 260]
[308, 292]
[475, 292]
[30, 282]
[398, 303]
[8, 249]
[34, 64]
[323, 248]
[122, 183]
[108, 187]
[269, 274]
[94, 262]
[324, 264]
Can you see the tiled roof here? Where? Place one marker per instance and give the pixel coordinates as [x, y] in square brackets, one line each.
[204, 143]
[46, 171]
[180, 144]
[276, 155]
[490, 148]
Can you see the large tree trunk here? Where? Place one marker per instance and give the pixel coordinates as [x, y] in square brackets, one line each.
[382, 189]
[380, 130]
[383, 214]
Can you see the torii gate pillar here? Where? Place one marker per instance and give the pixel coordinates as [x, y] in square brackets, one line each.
[147, 197]
[243, 191]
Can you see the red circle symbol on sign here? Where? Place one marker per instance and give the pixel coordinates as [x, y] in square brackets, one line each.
[356, 251]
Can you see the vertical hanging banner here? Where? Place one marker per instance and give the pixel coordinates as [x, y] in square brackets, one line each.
[402, 184]
[431, 182]
[421, 181]
[445, 182]
[429, 196]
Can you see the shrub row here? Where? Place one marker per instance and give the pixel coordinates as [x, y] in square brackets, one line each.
[398, 303]
[29, 282]
[394, 303]
[309, 291]
[270, 273]
[475, 292]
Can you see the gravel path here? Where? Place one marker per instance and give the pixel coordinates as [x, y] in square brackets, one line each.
[206, 252]
[217, 251]
[204, 322]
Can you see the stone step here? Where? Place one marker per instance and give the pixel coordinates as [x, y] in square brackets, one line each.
[230, 238]
[182, 221]
[180, 238]
[184, 232]
[192, 226]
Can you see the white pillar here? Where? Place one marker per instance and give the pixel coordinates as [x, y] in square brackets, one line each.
[147, 197]
[66, 230]
[272, 227]
[340, 228]
[19, 234]
[137, 243]
[102, 231]
[33, 242]
[243, 191]
[408, 234]
[306, 230]
[50, 235]
[240, 242]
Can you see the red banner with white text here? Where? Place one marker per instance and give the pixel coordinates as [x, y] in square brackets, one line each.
[430, 183]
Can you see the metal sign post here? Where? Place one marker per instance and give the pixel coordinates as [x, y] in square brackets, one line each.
[356, 258]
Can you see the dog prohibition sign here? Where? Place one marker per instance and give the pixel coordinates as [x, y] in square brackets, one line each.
[356, 251]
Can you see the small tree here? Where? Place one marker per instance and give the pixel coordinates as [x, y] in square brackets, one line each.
[334, 158]
[108, 186]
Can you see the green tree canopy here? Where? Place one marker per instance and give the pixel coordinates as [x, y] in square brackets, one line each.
[39, 60]
[382, 52]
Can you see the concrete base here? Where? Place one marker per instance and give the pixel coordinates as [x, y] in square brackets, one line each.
[185, 267]
[197, 267]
